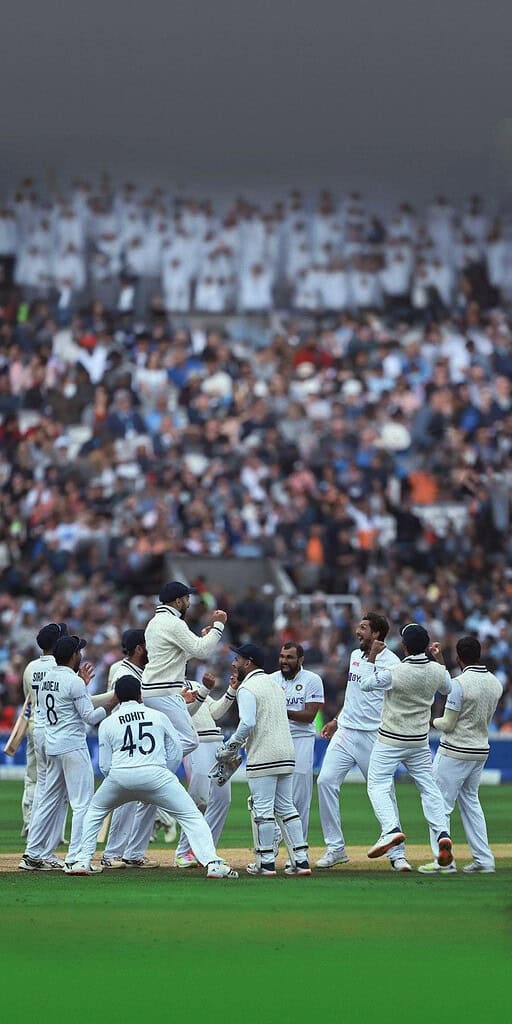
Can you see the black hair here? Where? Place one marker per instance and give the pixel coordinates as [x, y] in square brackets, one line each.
[378, 623]
[469, 650]
[289, 645]
[127, 688]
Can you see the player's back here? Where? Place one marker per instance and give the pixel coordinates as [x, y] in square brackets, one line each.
[137, 736]
[60, 691]
[33, 676]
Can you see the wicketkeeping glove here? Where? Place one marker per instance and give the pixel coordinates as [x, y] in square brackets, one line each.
[227, 751]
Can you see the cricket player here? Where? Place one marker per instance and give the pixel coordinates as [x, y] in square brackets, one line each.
[170, 643]
[68, 710]
[463, 751]
[139, 752]
[353, 734]
[132, 823]
[304, 692]
[409, 690]
[33, 676]
[212, 800]
[265, 729]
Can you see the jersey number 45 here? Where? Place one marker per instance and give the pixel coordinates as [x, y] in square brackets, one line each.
[131, 745]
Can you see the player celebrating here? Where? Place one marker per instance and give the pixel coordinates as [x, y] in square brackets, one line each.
[409, 689]
[304, 693]
[139, 752]
[270, 763]
[212, 800]
[353, 734]
[463, 751]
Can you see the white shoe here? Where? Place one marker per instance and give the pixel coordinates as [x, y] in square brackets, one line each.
[31, 864]
[266, 870]
[82, 867]
[386, 842]
[144, 862]
[300, 868]
[186, 860]
[478, 869]
[435, 869]
[332, 857]
[219, 869]
[54, 863]
[400, 864]
[113, 862]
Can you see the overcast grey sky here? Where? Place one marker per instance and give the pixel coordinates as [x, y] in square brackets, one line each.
[399, 97]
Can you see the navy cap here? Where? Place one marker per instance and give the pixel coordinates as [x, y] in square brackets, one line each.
[66, 647]
[170, 591]
[48, 636]
[131, 638]
[127, 688]
[415, 637]
[252, 652]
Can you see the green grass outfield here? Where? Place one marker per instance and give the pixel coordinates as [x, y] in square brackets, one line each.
[354, 945]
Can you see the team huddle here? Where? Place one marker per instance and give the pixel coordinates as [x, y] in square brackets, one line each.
[152, 718]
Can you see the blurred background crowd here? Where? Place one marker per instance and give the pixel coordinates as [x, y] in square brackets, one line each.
[314, 382]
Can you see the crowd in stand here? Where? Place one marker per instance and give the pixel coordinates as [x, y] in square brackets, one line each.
[360, 433]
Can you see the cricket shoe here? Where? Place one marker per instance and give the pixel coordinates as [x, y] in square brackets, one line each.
[55, 863]
[143, 862]
[32, 864]
[445, 855]
[186, 860]
[386, 842]
[112, 862]
[219, 869]
[435, 869]
[332, 857]
[82, 867]
[478, 869]
[301, 867]
[267, 870]
[400, 864]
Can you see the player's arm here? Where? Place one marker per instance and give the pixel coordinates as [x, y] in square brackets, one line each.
[104, 749]
[437, 654]
[452, 709]
[85, 707]
[381, 677]
[173, 746]
[198, 646]
[311, 709]
[219, 708]
[247, 711]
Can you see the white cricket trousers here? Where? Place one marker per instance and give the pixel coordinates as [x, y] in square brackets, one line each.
[153, 785]
[458, 781]
[55, 825]
[384, 762]
[30, 781]
[212, 800]
[303, 778]
[68, 775]
[176, 710]
[348, 748]
[271, 795]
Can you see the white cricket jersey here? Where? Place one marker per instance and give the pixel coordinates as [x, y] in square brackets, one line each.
[170, 644]
[363, 710]
[137, 737]
[305, 688]
[125, 667]
[67, 709]
[33, 676]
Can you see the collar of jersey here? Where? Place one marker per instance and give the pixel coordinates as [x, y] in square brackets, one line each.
[475, 668]
[168, 608]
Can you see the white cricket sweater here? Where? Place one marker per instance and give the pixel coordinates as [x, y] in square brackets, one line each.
[270, 749]
[125, 667]
[481, 691]
[410, 688]
[170, 643]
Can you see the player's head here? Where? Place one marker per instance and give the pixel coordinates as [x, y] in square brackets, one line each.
[372, 627]
[134, 646]
[291, 659]
[176, 594]
[48, 636]
[469, 651]
[128, 688]
[249, 657]
[415, 638]
[68, 651]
